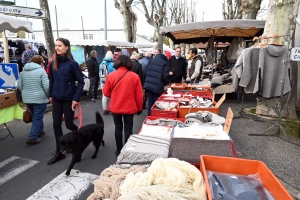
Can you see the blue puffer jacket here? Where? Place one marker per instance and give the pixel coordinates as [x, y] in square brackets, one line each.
[63, 82]
[157, 74]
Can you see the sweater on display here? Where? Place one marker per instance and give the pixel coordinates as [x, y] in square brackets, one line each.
[34, 84]
[271, 72]
[126, 95]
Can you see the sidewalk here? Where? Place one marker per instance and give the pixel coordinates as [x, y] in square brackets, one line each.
[282, 157]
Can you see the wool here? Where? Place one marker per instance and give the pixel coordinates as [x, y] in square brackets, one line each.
[107, 185]
[165, 174]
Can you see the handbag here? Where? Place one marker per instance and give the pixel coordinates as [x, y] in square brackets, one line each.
[27, 117]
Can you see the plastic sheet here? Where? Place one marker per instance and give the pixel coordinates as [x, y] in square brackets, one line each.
[235, 187]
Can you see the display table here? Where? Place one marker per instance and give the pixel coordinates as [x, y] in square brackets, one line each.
[9, 114]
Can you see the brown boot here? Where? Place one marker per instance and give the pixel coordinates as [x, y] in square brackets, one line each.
[33, 141]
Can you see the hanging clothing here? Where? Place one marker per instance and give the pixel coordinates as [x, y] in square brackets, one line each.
[271, 70]
[101, 53]
[233, 48]
[250, 68]
[209, 51]
[78, 54]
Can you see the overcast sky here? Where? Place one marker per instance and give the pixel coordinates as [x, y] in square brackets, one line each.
[69, 14]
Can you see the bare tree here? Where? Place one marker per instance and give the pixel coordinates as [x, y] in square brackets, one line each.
[283, 25]
[129, 19]
[156, 18]
[48, 29]
[240, 9]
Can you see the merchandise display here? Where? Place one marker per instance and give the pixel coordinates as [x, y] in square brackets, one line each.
[156, 131]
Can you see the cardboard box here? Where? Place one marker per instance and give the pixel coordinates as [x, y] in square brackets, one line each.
[8, 99]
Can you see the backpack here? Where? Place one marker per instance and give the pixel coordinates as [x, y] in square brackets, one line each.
[103, 72]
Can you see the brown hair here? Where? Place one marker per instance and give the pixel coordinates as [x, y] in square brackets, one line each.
[123, 61]
[66, 42]
[37, 59]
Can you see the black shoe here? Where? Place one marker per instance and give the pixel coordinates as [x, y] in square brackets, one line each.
[57, 157]
[117, 153]
[41, 133]
[33, 141]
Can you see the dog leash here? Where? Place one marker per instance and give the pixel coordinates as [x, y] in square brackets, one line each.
[79, 114]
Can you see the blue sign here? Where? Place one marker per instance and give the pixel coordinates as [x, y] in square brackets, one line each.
[9, 74]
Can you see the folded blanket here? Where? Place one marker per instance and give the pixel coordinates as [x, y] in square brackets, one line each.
[142, 149]
[190, 150]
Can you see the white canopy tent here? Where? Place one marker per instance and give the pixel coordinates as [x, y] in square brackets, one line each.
[106, 43]
[14, 25]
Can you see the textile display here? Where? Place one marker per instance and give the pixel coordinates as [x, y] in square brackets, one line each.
[235, 187]
[10, 113]
[156, 131]
[142, 149]
[108, 184]
[190, 150]
[78, 54]
[271, 72]
[204, 131]
[165, 179]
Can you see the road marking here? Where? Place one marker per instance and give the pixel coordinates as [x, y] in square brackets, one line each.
[16, 166]
[65, 187]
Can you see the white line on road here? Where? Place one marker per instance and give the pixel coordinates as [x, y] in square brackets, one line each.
[15, 170]
[65, 187]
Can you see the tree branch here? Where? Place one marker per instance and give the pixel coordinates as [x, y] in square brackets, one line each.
[149, 20]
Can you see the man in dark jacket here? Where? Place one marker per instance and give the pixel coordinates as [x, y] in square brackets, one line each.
[156, 77]
[177, 67]
[93, 69]
[144, 62]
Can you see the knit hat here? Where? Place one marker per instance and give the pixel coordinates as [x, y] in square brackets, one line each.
[168, 54]
[108, 54]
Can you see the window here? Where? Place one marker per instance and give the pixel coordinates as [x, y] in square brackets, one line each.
[91, 37]
[33, 37]
[85, 36]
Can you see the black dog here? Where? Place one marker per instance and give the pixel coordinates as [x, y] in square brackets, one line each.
[76, 142]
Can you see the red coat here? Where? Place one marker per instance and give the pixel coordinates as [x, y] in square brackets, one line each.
[127, 96]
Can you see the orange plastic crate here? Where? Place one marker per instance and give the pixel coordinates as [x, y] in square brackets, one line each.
[177, 86]
[242, 167]
[182, 112]
[164, 113]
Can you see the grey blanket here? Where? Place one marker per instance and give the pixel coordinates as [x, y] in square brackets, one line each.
[142, 149]
[190, 150]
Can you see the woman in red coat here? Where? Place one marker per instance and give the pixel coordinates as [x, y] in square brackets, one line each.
[126, 98]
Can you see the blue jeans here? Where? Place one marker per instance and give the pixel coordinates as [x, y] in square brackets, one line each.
[152, 97]
[37, 112]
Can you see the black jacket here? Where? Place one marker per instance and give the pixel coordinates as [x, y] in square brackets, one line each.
[138, 69]
[157, 74]
[178, 67]
[93, 67]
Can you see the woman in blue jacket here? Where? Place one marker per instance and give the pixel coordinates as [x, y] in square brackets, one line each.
[64, 94]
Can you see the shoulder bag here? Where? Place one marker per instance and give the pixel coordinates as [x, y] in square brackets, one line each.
[119, 80]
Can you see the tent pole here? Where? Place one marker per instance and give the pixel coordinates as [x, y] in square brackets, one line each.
[5, 47]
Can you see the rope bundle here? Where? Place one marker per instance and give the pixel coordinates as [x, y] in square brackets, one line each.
[108, 183]
[165, 179]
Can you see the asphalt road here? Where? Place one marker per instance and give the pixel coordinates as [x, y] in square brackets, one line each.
[34, 178]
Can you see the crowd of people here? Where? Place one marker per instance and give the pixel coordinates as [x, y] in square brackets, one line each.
[127, 84]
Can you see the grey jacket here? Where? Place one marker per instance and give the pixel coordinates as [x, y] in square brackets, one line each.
[34, 84]
[250, 67]
[271, 72]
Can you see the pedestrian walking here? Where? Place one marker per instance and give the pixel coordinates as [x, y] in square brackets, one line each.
[28, 54]
[157, 76]
[136, 66]
[125, 90]
[105, 68]
[64, 94]
[34, 86]
[93, 73]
